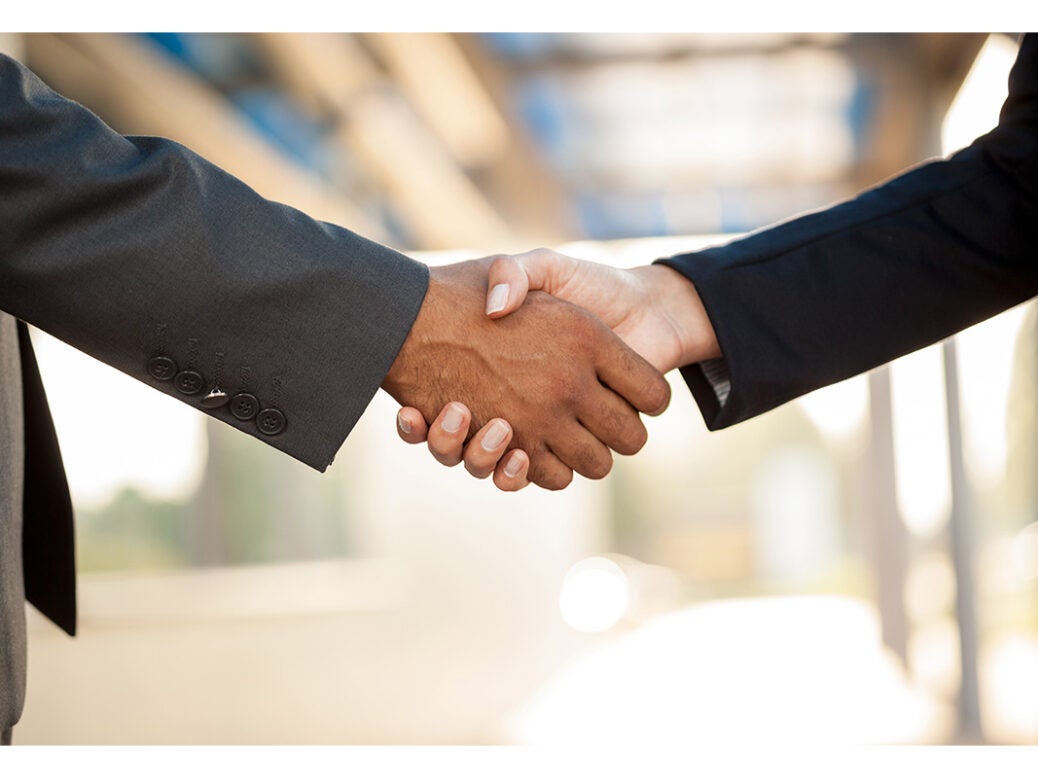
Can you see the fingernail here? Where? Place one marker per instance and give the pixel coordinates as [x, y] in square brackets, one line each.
[513, 466]
[497, 299]
[403, 424]
[495, 435]
[453, 419]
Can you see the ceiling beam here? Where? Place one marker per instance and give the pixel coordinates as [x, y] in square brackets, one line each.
[141, 91]
[434, 75]
[437, 202]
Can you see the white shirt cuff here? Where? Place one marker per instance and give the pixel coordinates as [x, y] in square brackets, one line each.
[716, 373]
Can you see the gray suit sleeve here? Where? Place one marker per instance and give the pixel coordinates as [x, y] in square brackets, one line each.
[132, 248]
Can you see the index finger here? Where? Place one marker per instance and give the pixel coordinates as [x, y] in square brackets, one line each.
[629, 375]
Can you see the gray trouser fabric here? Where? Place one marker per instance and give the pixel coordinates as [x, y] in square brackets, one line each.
[5, 737]
[12, 592]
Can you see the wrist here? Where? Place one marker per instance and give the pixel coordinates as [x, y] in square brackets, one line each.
[679, 301]
[405, 374]
[449, 322]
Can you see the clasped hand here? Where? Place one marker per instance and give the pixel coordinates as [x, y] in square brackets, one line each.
[535, 366]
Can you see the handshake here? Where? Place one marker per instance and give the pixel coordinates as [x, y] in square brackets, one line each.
[533, 366]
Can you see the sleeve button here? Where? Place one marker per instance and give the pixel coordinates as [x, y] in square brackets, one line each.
[162, 368]
[188, 382]
[270, 421]
[244, 406]
[217, 398]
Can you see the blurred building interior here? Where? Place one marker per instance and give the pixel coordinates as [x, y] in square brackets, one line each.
[859, 566]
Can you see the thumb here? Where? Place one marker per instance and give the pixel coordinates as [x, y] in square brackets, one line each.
[510, 278]
[507, 285]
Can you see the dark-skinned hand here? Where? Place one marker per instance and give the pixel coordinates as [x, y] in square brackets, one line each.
[569, 387]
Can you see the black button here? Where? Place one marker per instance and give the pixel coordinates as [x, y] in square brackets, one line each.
[162, 368]
[244, 406]
[217, 398]
[188, 382]
[270, 421]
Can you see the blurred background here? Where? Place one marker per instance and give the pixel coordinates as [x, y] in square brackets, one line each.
[859, 566]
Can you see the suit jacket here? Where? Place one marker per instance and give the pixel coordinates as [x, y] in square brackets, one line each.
[835, 293]
[147, 257]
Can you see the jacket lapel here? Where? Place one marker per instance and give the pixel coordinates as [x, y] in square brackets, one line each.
[48, 538]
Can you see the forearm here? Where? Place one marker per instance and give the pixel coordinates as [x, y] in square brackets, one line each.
[792, 314]
[132, 247]
[835, 293]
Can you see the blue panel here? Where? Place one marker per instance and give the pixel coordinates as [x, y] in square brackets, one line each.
[285, 125]
[608, 216]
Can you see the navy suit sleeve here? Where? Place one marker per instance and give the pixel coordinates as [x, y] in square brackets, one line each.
[131, 248]
[834, 293]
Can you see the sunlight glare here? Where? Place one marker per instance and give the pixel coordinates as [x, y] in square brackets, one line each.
[595, 594]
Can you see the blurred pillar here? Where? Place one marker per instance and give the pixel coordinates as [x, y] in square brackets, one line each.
[947, 60]
[962, 547]
[915, 77]
[890, 538]
[207, 535]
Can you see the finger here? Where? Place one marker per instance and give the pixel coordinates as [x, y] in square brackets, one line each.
[611, 419]
[487, 447]
[447, 434]
[411, 426]
[548, 471]
[580, 450]
[506, 287]
[510, 278]
[629, 375]
[510, 473]
[546, 270]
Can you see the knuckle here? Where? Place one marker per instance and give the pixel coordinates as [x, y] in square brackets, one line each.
[660, 392]
[586, 327]
[552, 479]
[446, 460]
[632, 439]
[506, 484]
[557, 481]
[568, 387]
[599, 468]
[477, 471]
[498, 262]
[445, 452]
[621, 426]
